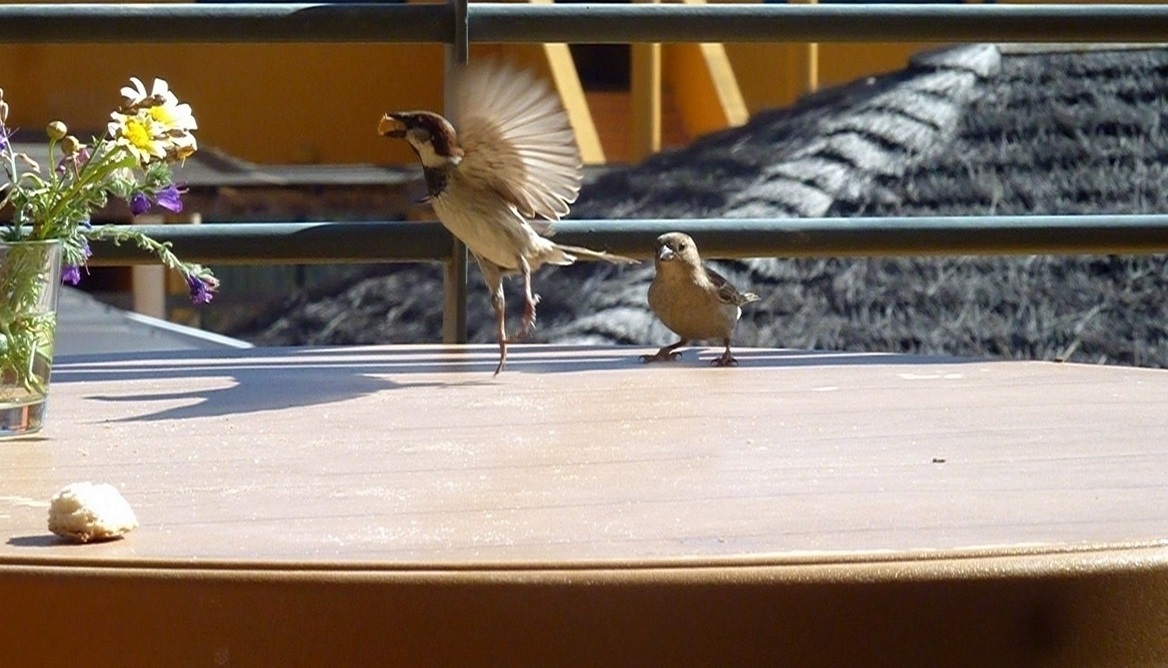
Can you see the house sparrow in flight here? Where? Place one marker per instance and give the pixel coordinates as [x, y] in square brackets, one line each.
[692, 300]
[507, 157]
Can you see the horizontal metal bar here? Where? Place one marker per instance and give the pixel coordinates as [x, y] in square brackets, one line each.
[620, 23]
[215, 22]
[287, 243]
[315, 243]
[860, 237]
[595, 23]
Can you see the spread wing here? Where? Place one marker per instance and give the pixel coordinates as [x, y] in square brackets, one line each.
[516, 136]
[727, 293]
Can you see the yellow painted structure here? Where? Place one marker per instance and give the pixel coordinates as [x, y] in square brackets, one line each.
[275, 103]
[319, 103]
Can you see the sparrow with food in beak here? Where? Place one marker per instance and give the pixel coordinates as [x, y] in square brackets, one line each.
[512, 159]
[692, 300]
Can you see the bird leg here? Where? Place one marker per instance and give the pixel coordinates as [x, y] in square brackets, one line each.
[494, 279]
[726, 359]
[498, 303]
[666, 354]
[529, 301]
[528, 322]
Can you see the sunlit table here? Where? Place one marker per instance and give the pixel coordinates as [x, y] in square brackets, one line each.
[399, 506]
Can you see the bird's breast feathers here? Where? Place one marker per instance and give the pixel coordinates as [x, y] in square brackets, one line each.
[491, 227]
[691, 307]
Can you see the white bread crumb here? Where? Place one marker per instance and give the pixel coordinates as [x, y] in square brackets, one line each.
[84, 512]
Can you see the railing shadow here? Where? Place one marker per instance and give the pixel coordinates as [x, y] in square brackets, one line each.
[256, 380]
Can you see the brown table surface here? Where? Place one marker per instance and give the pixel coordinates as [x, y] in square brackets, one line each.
[414, 456]
[399, 506]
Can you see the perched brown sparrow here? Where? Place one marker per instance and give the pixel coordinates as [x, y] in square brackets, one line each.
[692, 300]
[513, 158]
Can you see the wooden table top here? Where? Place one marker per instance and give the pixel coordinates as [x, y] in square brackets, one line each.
[403, 457]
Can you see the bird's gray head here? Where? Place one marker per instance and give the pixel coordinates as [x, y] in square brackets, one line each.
[431, 136]
[676, 247]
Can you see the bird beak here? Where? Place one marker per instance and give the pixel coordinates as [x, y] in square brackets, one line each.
[391, 126]
[665, 255]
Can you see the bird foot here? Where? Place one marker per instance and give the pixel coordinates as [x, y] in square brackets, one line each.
[661, 356]
[725, 360]
[502, 357]
[528, 322]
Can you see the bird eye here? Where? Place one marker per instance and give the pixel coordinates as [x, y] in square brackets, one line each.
[681, 246]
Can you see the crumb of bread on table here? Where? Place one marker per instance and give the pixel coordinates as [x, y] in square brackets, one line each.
[85, 512]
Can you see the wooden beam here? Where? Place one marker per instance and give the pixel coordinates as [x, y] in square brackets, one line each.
[566, 79]
[704, 86]
[811, 74]
[645, 99]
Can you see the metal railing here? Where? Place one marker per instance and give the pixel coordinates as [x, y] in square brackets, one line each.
[593, 23]
[456, 24]
[310, 243]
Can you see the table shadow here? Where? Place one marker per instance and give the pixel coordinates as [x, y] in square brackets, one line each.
[266, 379]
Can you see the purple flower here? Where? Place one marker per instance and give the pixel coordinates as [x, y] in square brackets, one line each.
[139, 203]
[72, 161]
[201, 289]
[70, 274]
[170, 198]
[3, 137]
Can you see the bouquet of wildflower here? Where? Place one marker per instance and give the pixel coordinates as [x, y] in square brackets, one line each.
[146, 135]
[149, 132]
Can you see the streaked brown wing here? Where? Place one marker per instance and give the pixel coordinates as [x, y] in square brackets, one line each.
[516, 137]
[727, 293]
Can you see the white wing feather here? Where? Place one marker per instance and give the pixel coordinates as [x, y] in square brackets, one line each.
[516, 136]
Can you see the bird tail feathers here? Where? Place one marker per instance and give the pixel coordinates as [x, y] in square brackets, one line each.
[598, 256]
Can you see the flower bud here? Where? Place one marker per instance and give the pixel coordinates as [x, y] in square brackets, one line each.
[56, 130]
[70, 145]
[184, 151]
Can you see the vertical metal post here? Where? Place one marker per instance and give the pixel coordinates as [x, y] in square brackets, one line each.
[454, 274]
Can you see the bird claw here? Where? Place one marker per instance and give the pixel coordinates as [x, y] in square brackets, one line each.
[725, 360]
[528, 322]
[661, 356]
[502, 357]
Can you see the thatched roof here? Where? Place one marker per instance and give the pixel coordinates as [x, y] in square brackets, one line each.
[970, 130]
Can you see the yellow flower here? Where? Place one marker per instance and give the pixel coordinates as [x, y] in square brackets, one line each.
[154, 125]
[136, 95]
[139, 135]
[162, 104]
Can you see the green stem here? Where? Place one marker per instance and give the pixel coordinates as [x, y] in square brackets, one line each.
[105, 160]
[122, 233]
[27, 323]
